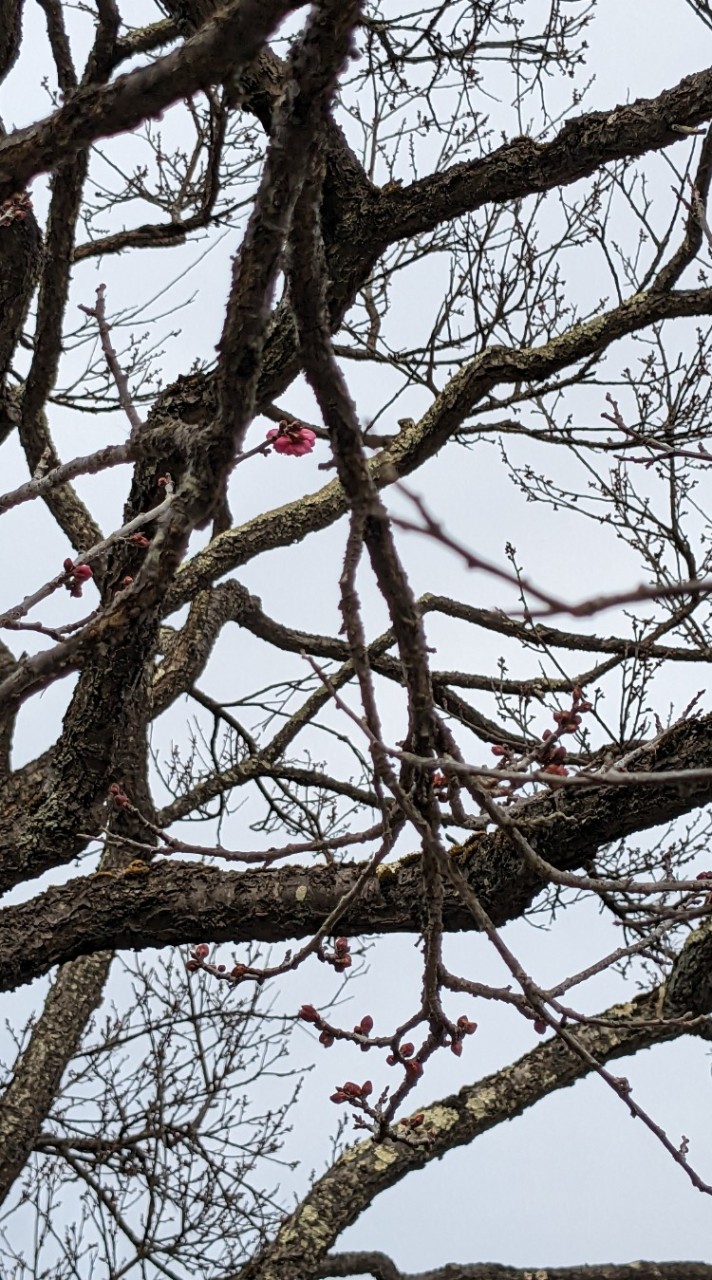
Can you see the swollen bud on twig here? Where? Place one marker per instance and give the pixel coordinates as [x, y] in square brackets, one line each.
[77, 574]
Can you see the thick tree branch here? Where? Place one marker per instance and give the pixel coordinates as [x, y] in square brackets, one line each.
[524, 166]
[381, 1267]
[55, 1037]
[225, 45]
[178, 903]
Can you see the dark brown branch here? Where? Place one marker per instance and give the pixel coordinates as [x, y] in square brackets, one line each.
[523, 167]
[381, 1267]
[55, 1037]
[176, 903]
[222, 47]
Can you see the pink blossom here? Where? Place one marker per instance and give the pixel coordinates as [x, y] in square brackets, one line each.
[292, 438]
[76, 575]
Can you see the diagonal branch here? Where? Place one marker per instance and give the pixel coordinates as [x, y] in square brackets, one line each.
[365, 1171]
[415, 444]
[55, 1037]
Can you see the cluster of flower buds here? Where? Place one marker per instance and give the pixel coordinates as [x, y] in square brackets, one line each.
[340, 957]
[77, 574]
[118, 796]
[139, 540]
[403, 1056]
[552, 754]
[554, 757]
[464, 1028]
[350, 1092]
[441, 787]
[197, 956]
[292, 438]
[309, 1014]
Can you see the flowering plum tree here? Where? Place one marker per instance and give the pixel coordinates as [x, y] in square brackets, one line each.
[451, 367]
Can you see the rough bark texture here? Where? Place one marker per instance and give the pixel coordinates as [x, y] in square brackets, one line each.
[178, 901]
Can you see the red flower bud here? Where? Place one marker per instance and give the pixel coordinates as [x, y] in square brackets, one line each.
[414, 1068]
[456, 1048]
[366, 1088]
[308, 1013]
[540, 1026]
[406, 1049]
[466, 1026]
[201, 951]
[366, 1024]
